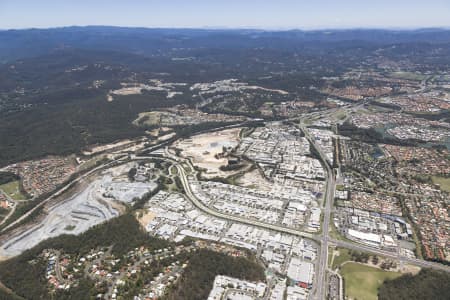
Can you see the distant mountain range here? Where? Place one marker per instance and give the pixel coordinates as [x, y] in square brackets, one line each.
[16, 44]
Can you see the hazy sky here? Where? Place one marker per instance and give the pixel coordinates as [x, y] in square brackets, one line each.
[278, 14]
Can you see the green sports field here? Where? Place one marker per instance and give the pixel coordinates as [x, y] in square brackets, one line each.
[362, 282]
[443, 182]
[12, 189]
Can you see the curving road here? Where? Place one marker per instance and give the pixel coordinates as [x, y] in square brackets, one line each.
[60, 191]
[413, 261]
[320, 288]
[238, 219]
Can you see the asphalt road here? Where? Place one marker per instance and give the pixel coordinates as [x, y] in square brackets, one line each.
[83, 176]
[413, 261]
[323, 238]
[238, 219]
[321, 286]
[57, 193]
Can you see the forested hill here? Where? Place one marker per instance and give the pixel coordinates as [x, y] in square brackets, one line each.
[54, 83]
[32, 42]
[428, 284]
[25, 274]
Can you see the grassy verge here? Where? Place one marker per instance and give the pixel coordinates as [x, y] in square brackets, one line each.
[339, 259]
[330, 256]
[334, 233]
[13, 190]
[363, 282]
[173, 171]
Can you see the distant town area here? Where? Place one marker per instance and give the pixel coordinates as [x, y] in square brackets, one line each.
[200, 173]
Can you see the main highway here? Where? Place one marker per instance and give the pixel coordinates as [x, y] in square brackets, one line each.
[323, 238]
[118, 160]
[60, 191]
[321, 286]
[193, 198]
[394, 255]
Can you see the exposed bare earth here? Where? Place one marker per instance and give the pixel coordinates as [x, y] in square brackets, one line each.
[254, 179]
[101, 148]
[146, 218]
[91, 204]
[202, 149]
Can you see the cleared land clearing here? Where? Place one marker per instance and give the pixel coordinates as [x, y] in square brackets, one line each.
[444, 183]
[101, 148]
[12, 190]
[146, 218]
[203, 148]
[254, 179]
[92, 162]
[166, 136]
[362, 282]
[148, 118]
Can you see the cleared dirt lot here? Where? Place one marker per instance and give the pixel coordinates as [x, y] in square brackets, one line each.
[146, 218]
[202, 149]
[254, 179]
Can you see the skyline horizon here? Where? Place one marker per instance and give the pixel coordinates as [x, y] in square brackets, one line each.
[230, 14]
[261, 28]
